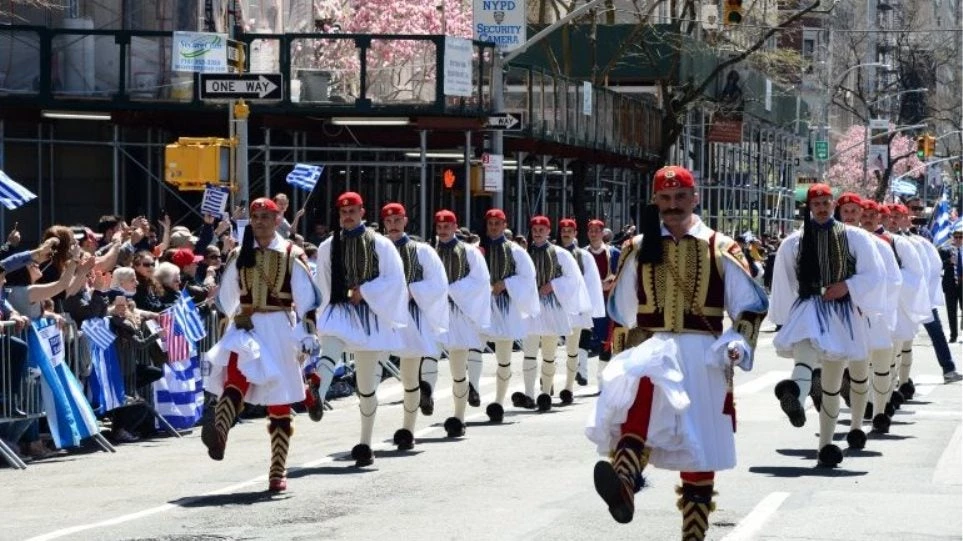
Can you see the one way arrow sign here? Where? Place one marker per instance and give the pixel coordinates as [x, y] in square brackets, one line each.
[251, 86]
[505, 121]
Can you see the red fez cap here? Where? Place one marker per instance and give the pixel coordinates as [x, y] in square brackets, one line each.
[540, 220]
[869, 204]
[349, 199]
[392, 209]
[185, 257]
[445, 217]
[497, 214]
[883, 209]
[899, 209]
[596, 223]
[673, 176]
[849, 197]
[567, 222]
[263, 203]
[818, 190]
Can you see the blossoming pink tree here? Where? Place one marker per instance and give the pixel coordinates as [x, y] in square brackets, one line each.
[847, 169]
[394, 67]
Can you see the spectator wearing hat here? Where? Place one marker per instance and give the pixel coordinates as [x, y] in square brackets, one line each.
[514, 298]
[606, 258]
[363, 304]
[823, 273]
[427, 321]
[577, 342]
[255, 361]
[692, 435]
[187, 262]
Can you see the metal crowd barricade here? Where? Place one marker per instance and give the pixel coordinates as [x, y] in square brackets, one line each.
[20, 399]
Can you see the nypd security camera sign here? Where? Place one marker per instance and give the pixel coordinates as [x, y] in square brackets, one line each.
[501, 22]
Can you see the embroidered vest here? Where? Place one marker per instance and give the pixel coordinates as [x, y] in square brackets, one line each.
[409, 256]
[547, 267]
[577, 254]
[501, 262]
[836, 262]
[360, 258]
[268, 283]
[665, 305]
[454, 258]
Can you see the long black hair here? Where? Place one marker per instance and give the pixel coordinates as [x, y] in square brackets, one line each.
[651, 250]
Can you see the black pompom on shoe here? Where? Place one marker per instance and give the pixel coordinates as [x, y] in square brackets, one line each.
[518, 399]
[889, 409]
[495, 412]
[566, 397]
[907, 390]
[580, 379]
[362, 455]
[404, 439]
[454, 427]
[897, 399]
[856, 439]
[787, 391]
[881, 423]
[830, 456]
[868, 414]
[544, 403]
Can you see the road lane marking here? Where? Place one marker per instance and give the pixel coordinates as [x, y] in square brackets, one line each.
[947, 470]
[64, 532]
[752, 523]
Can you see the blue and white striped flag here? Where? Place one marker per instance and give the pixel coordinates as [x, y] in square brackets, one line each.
[187, 320]
[69, 416]
[12, 194]
[941, 227]
[305, 176]
[179, 395]
[107, 386]
[215, 200]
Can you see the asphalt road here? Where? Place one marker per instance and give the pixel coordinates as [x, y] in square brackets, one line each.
[529, 478]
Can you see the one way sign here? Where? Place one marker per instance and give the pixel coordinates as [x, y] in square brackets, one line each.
[505, 121]
[250, 86]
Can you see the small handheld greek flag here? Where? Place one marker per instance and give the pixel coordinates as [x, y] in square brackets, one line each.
[12, 194]
[215, 200]
[305, 176]
[187, 318]
[107, 386]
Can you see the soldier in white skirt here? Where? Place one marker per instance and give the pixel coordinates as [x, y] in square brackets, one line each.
[826, 277]
[562, 295]
[469, 314]
[363, 306]
[514, 298]
[668, 401]
[427, 313]
[265, 280]
[582, 323]
[910, 309]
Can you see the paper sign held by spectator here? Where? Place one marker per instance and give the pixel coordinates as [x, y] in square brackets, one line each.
[215, 200]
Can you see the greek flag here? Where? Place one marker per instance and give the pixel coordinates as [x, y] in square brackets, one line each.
[215, 200]
[941, 227]
[69, 416]
[187, 319]
[107, 388]
[12, 194]
[305, 176]
[179, 395]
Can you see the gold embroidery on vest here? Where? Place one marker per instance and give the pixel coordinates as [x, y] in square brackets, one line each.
[266, 279]
[690, 257]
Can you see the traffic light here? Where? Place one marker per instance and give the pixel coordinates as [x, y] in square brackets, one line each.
[449, 178]
[191, 163]
[921, 147]
[930, 147]
[732, 12]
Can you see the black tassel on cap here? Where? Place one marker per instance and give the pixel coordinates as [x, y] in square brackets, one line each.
[245, 258]
[807, 265]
